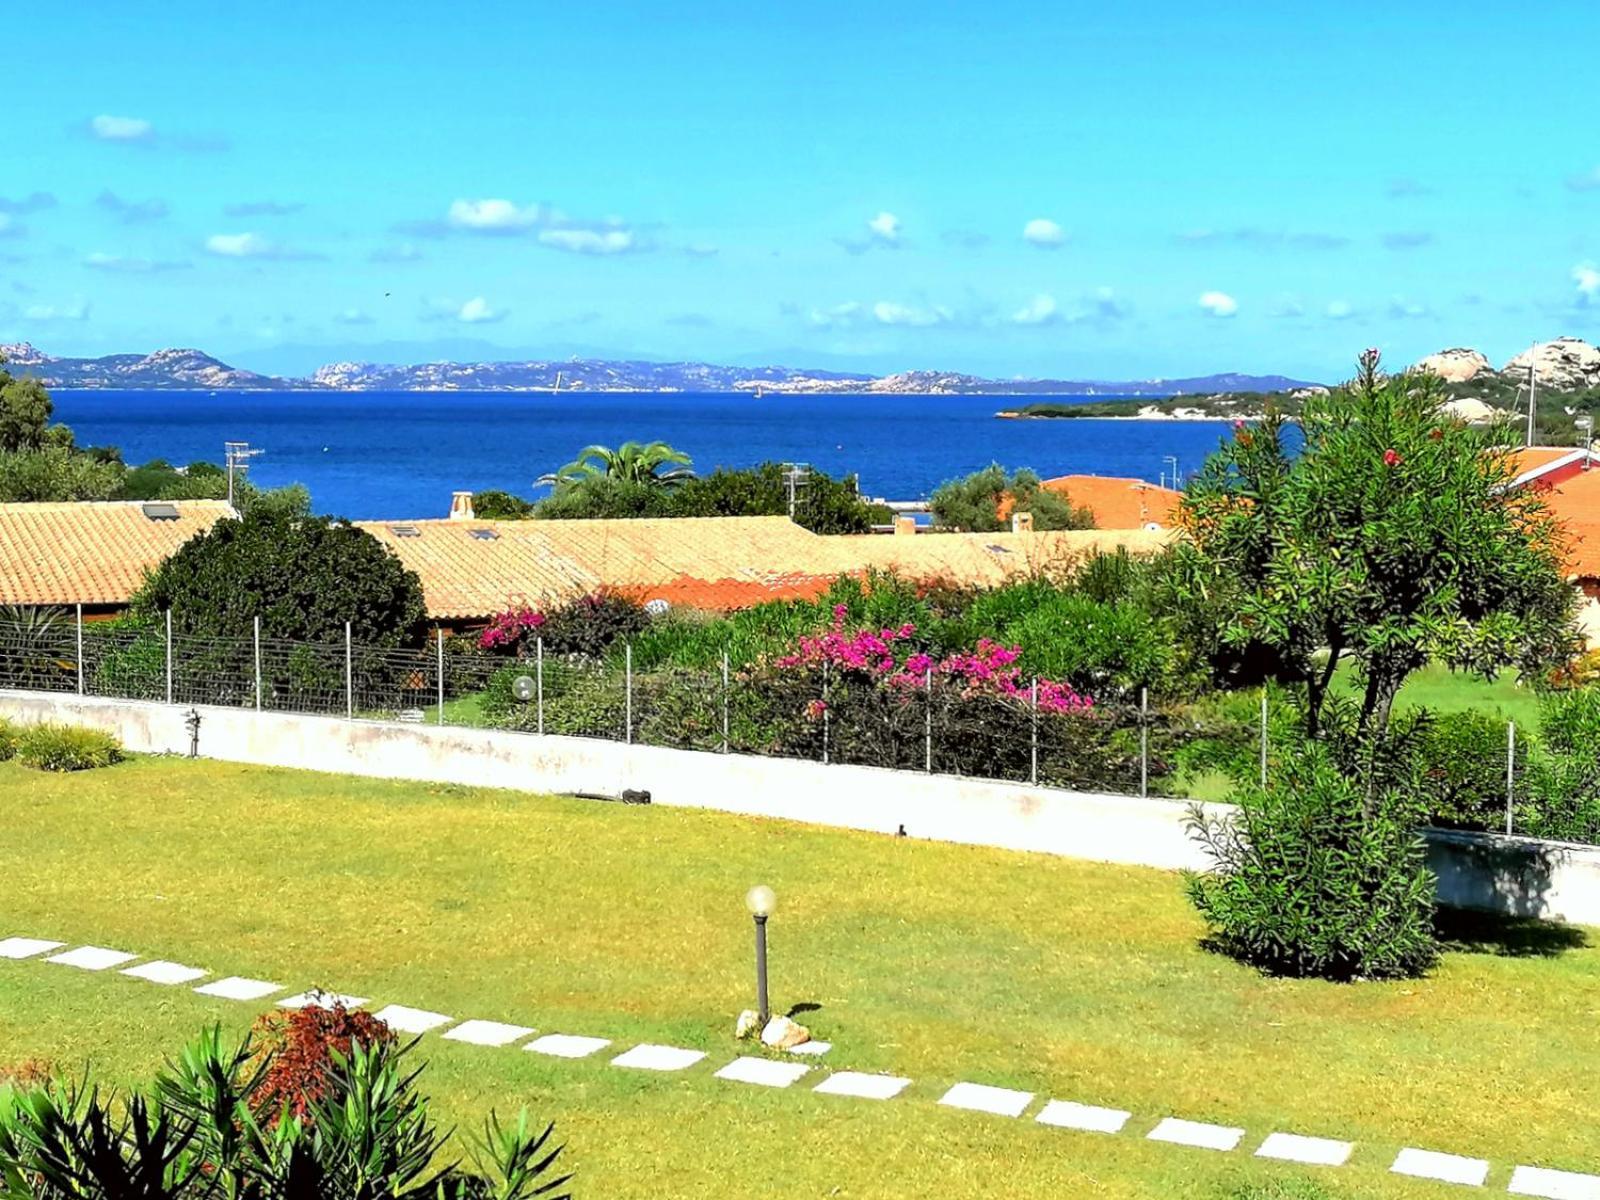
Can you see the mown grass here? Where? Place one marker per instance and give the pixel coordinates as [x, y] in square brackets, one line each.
[1071, 979]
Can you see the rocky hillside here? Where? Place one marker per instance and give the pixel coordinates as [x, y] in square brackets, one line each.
[1567, 364]
[172, 369]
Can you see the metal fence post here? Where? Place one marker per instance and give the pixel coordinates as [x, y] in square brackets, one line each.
[441, 674]
[927, 724]
[627, 685]
[257, 630]
[1511, 771]
[349, 675]
[724, 701]
[1263, 736]
[1033, 738]
[827, 713]
[538, 679]
[1144, 741]
[80, 649]
[169, 656]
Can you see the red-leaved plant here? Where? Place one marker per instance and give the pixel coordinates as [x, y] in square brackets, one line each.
[297, 1048]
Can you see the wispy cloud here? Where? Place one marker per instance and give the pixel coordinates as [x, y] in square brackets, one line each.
[700, 250]
[131, 212]
[1401, 309]
[888, 312]
[885, 229]
[496, 216]
[1258, 238]
[1339, 310]
[126, 265]
[1407, 240]
[260, 208]
[353, 316]
[477, 311]
[847, 313]
[548, 226]
[1586, 278]
[78, 310]
[33, 202]
[1218, 304]
[107, 128]
[254, 246]
[590, 241]
[1041, 310]
[1044, 233]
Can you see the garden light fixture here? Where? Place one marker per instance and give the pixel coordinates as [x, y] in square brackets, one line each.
[761, 901]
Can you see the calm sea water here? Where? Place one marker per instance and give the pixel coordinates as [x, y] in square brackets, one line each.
[401, 454]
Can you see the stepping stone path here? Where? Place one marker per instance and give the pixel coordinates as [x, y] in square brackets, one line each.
[566, 1045]
[979, 1097]
[169, 973]
[237, 988]
[763, 1071]
[1447, 1168]
[487, 1033]
[1068, 1115]
[1196, 1133]
[92, 958]
[411, 1020]
[1542, 1182]
[647, 1057]
[866, 1087]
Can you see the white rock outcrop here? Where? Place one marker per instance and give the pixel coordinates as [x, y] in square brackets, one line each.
[1456, 365]
[1568, 364]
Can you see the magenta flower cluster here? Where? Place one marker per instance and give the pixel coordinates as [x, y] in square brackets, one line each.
[509, 628]
[989, 670]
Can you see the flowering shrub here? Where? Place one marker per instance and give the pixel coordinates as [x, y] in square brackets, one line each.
[884, 657]
[507, 631]
[297, 1048]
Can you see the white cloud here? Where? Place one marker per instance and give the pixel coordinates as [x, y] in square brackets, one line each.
[477, 312]
[1587, 278]
[887, 312]
[495, 216]
[121, 129]
[133, 266]
[1218, 304]
[76, 311]
[589, 241]
[1339, 310]
[839, 314]
[1043, 233]
[885, 227]
[353, 316]
[240, 245]
[1041, 310]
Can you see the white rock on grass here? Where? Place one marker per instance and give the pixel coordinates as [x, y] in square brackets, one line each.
[763, 1071]
[567, 1045]
[1067, 1114]
[1196, 1133]
[748, 1024]
[23, 947]
[411, 1020]
[980, 1097]
[236, 987]
[168, 973]
[92, 958]
[862, 1086]
[782, 1033]
[1447, 1168]
[1292, 1147]
[487, 1033]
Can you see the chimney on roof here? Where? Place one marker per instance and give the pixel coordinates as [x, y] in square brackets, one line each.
[1022, 522]
[904, 524]
[461, 506]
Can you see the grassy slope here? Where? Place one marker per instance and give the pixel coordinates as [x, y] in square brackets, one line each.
[938, 962]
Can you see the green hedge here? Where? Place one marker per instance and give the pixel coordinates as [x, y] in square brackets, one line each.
[64, 748]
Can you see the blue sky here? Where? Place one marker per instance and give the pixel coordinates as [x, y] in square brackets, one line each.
[1084, 191]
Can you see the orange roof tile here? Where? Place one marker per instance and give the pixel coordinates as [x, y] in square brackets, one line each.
[1118, 503]
[90, 552]
[1575, 502]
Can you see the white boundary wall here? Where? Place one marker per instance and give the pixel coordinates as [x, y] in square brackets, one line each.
[1517, 876]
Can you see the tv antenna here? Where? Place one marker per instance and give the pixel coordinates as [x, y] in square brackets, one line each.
[795, 476]
[238, 455]
[1173, 459]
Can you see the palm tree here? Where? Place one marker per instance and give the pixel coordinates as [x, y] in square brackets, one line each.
[632, 462]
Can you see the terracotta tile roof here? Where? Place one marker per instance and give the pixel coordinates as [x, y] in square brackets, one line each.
[987, 559]
[1576, 503]
[1118, 503]
[90, 552]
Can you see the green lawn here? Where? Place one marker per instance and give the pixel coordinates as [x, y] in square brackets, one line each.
[938, 962]
[1442, 690]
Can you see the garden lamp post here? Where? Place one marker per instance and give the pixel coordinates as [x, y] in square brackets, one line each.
[761, 901]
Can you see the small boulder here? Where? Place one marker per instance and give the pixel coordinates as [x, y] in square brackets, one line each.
[748, 1024]
[783, 1034]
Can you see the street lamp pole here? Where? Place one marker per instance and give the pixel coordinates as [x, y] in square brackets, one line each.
[761, 901]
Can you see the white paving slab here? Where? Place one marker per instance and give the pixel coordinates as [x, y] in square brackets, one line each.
[1070, 1115]
[867, 1087]
[763, 1071]
[980, 1097]
[21, 947]
[815, 1049]
[488, 1033]
[1447, 1168]
[317, 998]
[411, 1020]
[1320, 1152]
[236, 987]
[648, 1057]
[165, 972]
[1196, 1133]
[567, 1045]
[92, 958]
[1554, 1185]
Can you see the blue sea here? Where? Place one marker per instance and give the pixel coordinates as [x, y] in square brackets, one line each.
[371, 455]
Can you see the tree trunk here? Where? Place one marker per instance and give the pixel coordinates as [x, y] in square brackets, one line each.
[1317, 689]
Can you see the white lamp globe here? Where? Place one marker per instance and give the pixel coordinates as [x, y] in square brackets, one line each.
[761, 900]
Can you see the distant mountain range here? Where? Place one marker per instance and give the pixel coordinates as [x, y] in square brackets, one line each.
[193, 370]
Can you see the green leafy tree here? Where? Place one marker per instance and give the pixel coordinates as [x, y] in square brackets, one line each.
[496, 505]
[974, 503]
[160, 480]
[56, 473]
[305, 577]
[1393, 539]
[822, 503]
[653, 464]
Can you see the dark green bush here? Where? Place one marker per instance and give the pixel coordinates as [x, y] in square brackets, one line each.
[590, 625]
[1460, 769]
[1559, 794]
[1310, 879]
[10, 735]
[66, 748]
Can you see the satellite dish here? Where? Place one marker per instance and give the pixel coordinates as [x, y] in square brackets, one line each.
[522, 687]
[1152, 526]
[657, 607]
